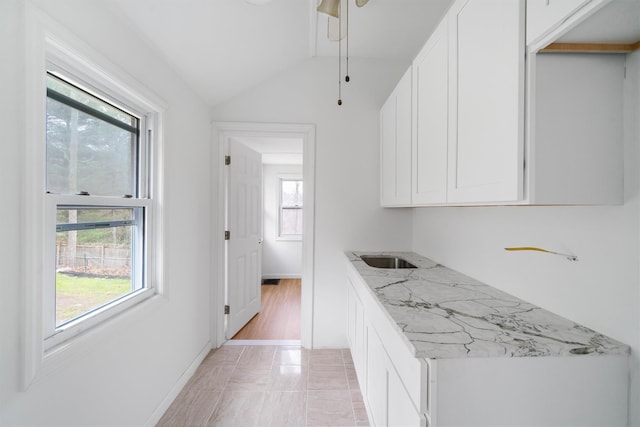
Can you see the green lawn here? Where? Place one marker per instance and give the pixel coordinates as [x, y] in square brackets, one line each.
[77, 295]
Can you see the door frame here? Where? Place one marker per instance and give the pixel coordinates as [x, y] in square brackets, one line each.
[221, 133]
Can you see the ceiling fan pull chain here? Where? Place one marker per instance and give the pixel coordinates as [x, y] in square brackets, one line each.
[340, 58]
[346, 78]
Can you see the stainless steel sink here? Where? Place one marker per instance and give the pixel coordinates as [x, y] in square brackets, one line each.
[386, 261]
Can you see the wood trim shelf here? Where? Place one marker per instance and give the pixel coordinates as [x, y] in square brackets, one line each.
[591, 48]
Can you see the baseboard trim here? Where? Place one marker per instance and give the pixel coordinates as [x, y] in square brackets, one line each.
[264, 342]
[177, 387]
[281, 276]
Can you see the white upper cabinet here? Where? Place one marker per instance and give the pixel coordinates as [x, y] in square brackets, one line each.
[395, 146]
[430, 123]
[479, 91]
[486, 94]
[544, 16]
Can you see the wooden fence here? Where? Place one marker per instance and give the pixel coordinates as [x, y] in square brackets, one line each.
[101, 256]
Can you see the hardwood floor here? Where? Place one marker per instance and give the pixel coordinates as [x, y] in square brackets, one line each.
[280, 315]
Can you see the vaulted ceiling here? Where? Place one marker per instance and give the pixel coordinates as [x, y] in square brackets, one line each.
[224, 47]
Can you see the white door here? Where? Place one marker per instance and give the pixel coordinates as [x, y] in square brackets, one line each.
[244, 223]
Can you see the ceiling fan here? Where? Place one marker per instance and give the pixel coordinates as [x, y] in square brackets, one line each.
[332, 7]
[337, 29]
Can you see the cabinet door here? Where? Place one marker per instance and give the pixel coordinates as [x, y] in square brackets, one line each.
[387, 396]
[430, 137]
[356, 333]
[388, 152]
[377, 379]
[395, 137]
[351, 315]
[401, 412]
[486, 109]
[544, 16]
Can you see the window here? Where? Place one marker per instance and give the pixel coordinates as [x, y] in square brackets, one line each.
[290, 211]
[98, 207]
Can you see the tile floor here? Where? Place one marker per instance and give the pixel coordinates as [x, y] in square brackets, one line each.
[261, 386]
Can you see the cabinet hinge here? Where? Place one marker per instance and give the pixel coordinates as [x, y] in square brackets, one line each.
[226, 309]
[227, 160]
[227, 235]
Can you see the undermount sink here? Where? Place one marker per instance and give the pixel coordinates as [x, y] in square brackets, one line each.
[386, 261]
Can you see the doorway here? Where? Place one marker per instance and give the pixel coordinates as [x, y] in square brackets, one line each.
[288, 153]
[278, 317]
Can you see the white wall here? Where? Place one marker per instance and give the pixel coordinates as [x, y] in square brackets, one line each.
[280, 258]
[601, 290]
[347, 210]
[138, 357]
[11, 120]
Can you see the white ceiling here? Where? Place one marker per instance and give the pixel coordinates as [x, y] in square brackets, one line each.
[224, 47]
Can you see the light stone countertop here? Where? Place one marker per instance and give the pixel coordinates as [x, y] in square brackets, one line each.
[444, 314]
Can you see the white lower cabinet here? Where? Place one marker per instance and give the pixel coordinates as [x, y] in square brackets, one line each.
[401, 390]
[356, 333]
[386, 394]
[377, 380]
[400, 408]
[530, 391]
[390, 378]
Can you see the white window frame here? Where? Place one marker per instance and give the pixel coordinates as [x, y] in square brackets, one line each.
[54, 335]
[49, 45]
[280, 180]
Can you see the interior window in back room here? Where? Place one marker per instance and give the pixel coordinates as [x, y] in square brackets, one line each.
[290, 212]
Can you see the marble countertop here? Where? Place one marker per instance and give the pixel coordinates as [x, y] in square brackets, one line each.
[444, 314]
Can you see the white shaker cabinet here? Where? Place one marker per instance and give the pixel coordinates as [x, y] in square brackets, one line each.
[377, 380]
[392, 381]
[430, 125]
[356, 332]
[390, 404]
[395, 146]
[486, 101]
[479, 91]
[468, 107]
